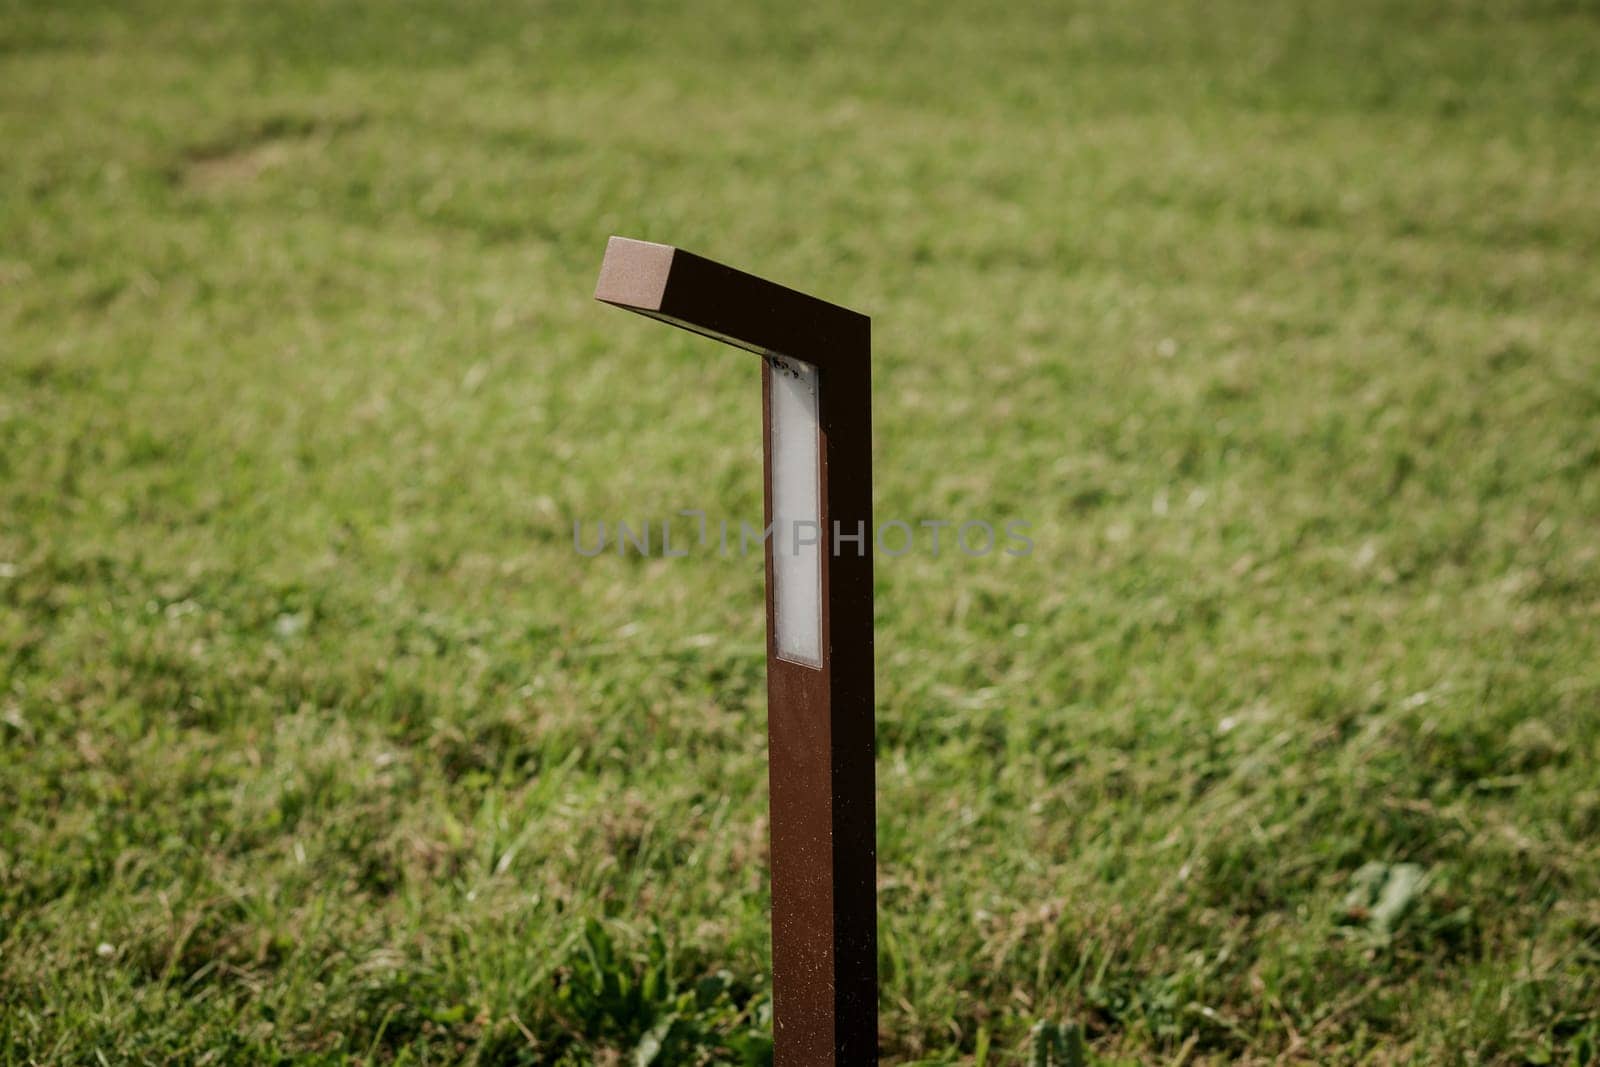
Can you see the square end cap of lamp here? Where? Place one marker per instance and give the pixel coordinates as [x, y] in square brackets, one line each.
[634, 274]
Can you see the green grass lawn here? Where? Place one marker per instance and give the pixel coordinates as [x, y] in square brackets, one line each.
[1278, 321]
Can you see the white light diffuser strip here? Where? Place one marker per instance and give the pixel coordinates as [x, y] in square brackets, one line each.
[796, 511]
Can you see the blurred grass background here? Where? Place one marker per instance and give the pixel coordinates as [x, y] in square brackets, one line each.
[1277, 321]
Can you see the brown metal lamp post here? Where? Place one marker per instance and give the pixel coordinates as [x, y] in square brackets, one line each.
[817, 430]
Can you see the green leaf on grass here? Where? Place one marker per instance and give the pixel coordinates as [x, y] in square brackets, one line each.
[1381, 894]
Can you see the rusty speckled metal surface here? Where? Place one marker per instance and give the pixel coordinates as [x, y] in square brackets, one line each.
[819, 720]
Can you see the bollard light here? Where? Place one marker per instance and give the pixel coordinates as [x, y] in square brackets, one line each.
[817, 442]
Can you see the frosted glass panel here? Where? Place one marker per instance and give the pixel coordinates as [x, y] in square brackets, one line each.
[797, 509]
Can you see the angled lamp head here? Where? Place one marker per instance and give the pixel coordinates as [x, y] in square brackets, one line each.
[729, 305]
